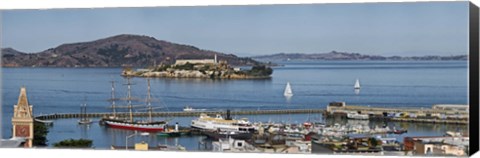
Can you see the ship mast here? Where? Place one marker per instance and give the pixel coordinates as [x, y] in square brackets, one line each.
[129, 98]
[113, 99]
[149, 98]
[83, 110]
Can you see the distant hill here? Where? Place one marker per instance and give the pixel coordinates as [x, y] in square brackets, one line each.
[116, 51]
[348, 56]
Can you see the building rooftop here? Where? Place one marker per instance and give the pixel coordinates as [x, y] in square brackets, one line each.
[11, 143]
[457, 141]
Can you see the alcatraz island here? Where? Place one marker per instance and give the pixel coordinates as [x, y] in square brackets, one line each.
[200, 68]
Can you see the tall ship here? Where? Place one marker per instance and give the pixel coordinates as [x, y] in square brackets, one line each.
[129, 122]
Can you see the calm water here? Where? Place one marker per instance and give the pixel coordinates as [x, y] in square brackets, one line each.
[314, 84]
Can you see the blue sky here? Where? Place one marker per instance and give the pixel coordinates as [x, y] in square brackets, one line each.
[426, 28]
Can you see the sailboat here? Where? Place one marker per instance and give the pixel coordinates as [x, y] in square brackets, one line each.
[357, 84]
[288, 90]
[129, 122]
[83, 115]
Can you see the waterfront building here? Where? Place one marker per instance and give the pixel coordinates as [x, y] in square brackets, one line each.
[298, 146]
[12, 143]
[143, 146]
[453, 107]
[429, 146]
[22, 119]
[232, 145]
[197, 61]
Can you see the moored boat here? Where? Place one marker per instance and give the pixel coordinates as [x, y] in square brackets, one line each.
[83, 113]
[205, 122]
[357, 116]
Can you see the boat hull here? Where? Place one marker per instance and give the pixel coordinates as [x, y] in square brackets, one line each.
[170, 134]
[147, 127]
[84, 122]
[218, 135]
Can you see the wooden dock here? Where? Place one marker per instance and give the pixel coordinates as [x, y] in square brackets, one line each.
[178, 114]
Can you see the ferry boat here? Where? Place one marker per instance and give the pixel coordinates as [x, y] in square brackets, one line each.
[357, 116]
[129, 123]
[205, 122]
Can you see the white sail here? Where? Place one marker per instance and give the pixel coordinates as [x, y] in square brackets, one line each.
[288, 90]
[357, 84]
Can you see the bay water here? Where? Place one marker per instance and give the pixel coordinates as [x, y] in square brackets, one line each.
[314, 83]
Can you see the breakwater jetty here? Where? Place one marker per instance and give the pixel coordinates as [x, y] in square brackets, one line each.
[178, 114]
[440, 113]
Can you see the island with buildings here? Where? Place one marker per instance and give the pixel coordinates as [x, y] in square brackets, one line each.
[201, 68]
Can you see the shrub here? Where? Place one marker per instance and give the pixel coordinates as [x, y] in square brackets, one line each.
[74, 143]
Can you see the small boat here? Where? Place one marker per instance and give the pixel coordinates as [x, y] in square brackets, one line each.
[357, 84]
[218, 134]
[188, 108]
[171, 132]
[399, 131]
[288, 90]
[83, 115]
[357, 116]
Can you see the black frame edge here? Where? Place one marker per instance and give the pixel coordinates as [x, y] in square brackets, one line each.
[474, 79]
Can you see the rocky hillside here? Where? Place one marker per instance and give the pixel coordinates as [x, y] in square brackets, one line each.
[349, 56]
[116, 51]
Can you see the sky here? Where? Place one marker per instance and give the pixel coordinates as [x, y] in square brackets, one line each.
[406, 29]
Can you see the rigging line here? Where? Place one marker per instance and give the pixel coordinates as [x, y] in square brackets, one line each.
[161, 102]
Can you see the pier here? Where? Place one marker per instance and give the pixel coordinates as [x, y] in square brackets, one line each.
[177, 114]
[440, 114]
[421, 115]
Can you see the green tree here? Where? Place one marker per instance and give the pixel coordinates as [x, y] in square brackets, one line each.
[260, 70]
[186, 66]
[373, 142]
[40, 132]
[74, 143]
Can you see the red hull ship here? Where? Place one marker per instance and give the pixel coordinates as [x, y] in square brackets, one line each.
[157, 126]
[128, 123]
